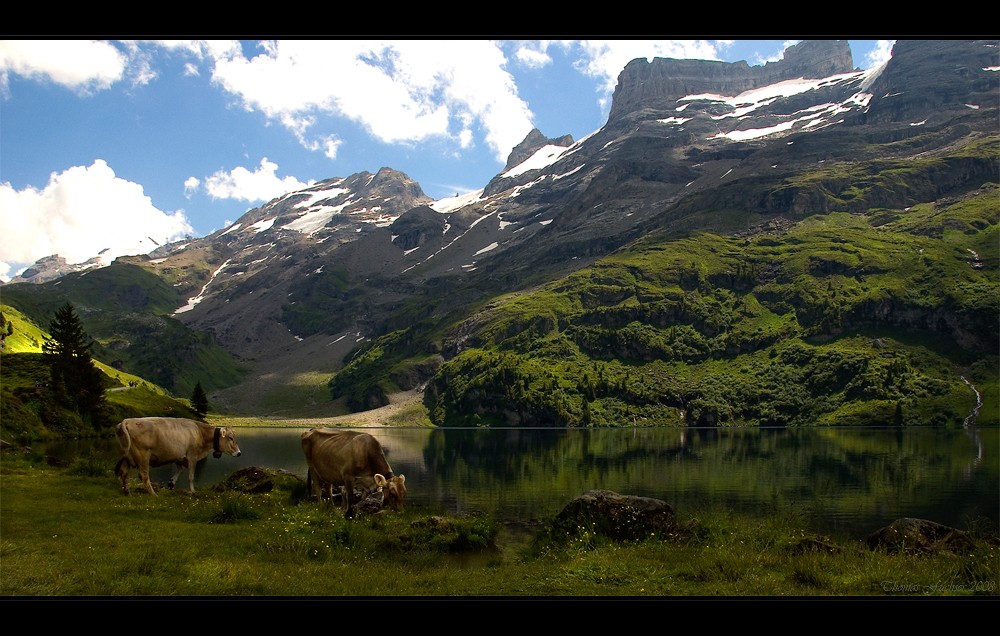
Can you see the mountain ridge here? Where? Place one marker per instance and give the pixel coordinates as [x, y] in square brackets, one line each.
[307, 282]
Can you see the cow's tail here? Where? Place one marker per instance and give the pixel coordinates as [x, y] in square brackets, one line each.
[125, 444]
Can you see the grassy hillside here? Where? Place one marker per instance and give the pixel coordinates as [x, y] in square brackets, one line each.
[127, 311]
[28, 410]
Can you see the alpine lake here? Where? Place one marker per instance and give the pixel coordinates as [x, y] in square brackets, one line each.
[843, 482]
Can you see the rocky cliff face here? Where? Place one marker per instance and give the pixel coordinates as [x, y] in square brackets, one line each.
[661, 82]
[961, 82]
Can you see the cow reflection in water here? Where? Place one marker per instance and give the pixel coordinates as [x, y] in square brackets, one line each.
[347, 459]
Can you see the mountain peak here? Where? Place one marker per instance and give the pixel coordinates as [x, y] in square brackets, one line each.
[531, 143]
[643, 84]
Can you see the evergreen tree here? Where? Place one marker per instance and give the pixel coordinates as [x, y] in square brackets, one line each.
[199, 401]
[76, 382]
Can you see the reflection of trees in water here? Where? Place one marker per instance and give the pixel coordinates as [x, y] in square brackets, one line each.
[827, 471]
[511, 453]
[501, 452]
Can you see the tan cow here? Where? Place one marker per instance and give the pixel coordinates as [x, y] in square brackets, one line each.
[155, 441]
[345, 459]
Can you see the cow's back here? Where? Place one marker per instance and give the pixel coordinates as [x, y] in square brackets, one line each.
[334, 454]
[168, 438]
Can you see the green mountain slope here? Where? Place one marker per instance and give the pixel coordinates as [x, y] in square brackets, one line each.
[878, 318]
[127, 310]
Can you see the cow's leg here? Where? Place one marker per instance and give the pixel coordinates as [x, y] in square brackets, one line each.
[122, 470]
[316, 486]
[346, 492]
[191, 466]
[144, 476]
[177, 473]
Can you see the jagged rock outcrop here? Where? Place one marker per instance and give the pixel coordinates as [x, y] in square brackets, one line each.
[531, 144]
[522, 152]
[414, 228]
[657, 83]
[53, 267]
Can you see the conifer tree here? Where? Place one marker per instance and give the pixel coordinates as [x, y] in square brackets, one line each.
[76, 381]
[199, 401]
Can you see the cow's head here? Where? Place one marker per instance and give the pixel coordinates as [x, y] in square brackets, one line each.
[225, 442]
[393, 490]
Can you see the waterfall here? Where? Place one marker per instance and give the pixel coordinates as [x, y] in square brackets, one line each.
[971, 418]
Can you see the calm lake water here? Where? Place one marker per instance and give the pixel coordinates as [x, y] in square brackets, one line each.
[844, 482]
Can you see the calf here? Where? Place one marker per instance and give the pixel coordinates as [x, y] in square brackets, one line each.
[155, 441]
[342, 458]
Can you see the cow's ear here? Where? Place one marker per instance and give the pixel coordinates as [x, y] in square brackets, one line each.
[402, 479]
[380, 480]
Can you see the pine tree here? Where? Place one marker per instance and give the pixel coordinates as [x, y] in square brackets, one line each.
[76, 381]
[199, 401]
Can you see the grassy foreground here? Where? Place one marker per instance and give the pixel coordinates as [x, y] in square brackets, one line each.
[69, 532]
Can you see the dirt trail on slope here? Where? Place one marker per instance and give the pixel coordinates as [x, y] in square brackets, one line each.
[382, 416]
[404, 409]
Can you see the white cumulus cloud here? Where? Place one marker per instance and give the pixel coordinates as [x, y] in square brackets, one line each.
[81, 212]
[80, 65]
[414, 89]
[262, 184]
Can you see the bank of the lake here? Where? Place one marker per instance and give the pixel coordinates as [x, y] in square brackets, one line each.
[66, 533]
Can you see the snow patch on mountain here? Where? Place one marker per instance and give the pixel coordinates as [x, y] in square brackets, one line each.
[314, 220]
[201, 296]
[319, 196]
[543, 157]
[262, 225]
[450, 204]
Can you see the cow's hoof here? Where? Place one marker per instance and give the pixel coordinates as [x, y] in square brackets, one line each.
[170, 485]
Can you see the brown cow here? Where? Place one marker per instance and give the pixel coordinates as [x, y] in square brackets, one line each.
[155, 441]
[342, 458]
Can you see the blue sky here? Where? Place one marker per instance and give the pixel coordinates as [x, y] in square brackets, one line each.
[123, 145]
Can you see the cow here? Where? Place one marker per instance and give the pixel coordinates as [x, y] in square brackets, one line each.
[344, 459]
[155, 441]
